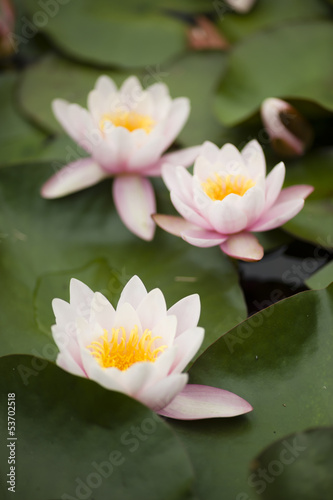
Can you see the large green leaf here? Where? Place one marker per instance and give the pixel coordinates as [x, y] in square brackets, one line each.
[266, 14]
[280, 360]
[316, 169]
[44, 243]
[18, 139]
[314, 223]
[54, 77]
[321, 278]
[98, 444]
[108, 32]
[304, 473]
[290, 62]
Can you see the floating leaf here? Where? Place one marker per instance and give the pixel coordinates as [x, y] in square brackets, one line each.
[280, 360]
[106, 32]
[321, 278]
[278, 63]
[19, 141]
[296, 466]
[267, 14]
[98, 443]
[314, 223]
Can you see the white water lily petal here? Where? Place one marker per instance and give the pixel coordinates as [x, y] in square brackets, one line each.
[187, 312]
[126, 317]
[162, 393]
[188, 344]
[135, 201]
[81, 297]
[203, 238]
[152, 308]
[178, 180]
[278, 215]
[67, 363]
[274, 183]
[179, 112]
[201, 401]
[254, 159]
[173, 224]
[101, 311]
[76, 176]
[133, 292]
[243, 246]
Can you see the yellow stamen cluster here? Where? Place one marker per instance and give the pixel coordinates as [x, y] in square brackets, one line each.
[127, 119]
[220, 187]
[122, 353]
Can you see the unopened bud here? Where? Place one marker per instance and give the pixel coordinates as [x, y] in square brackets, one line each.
[205, 35]
[7, 23]
[241, 6]
[290, 133]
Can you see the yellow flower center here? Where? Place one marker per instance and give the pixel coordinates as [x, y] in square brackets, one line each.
[220, 187]
[121, 353]
[127, 119]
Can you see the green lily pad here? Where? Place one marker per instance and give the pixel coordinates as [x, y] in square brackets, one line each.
[321, 278]
[46, 242]
[109, 33]
[305, 473]
[314, 223]
[280, 360]
[267, 14]
[19, 140]
[96, 444]
[278, 63]
[316, 169]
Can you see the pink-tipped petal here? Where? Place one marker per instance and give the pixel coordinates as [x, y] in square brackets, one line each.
[81, 297]
[188, 344]
[187, 311]
[179, 112]
[135, 202]
[241, 6]
[179, 180]
[159, 395]
[67, 363]
[210, 151]
[243, 246]
[203, 238]
[254, 159]
[274, 183]
[133, 293]
[152, 308]
[173, 224]
[200, 401]
[278, 215]
[75, 176]
[188, 212]
[294, 192]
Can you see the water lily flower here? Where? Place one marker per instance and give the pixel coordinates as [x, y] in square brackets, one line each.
[125, 132]
[140, 349]
[228, 197]
[290, 133]
[241, 6]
